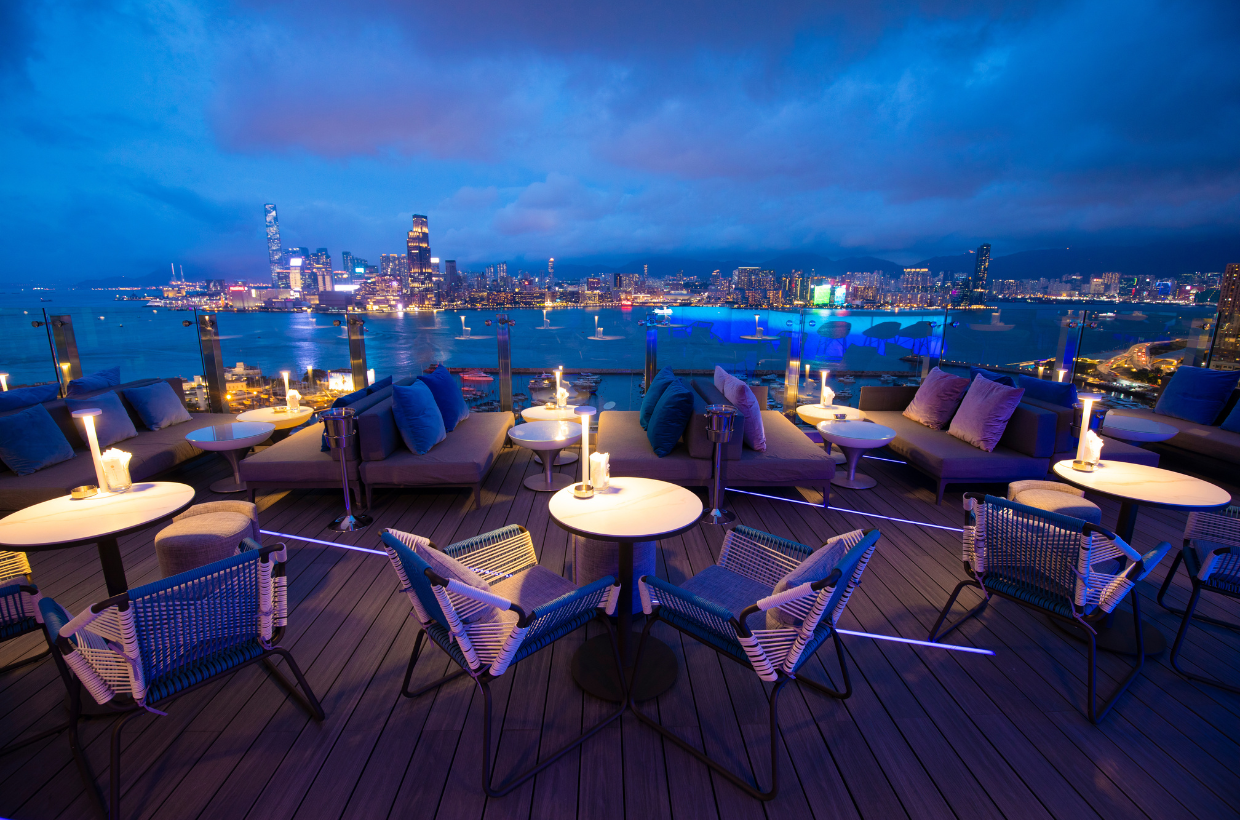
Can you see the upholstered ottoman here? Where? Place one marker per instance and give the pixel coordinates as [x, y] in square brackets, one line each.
[205, 533]
[594, 559]
[1055, 497]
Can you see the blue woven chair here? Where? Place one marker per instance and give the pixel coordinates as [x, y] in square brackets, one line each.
[137, 650]
[735, 608]
[1211, 557]
[1066, 568]
[19, 615]
[526, 608]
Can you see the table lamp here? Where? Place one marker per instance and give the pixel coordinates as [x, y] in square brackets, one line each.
[585, 489]
[88, 421]
[4, 382]
[370, 376]
[1061, 371]
[823, 394]
[284, 373]
[1082, 462]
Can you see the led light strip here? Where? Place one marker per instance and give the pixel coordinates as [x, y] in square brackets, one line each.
[846, 510]
[968, 649]
[324, 543]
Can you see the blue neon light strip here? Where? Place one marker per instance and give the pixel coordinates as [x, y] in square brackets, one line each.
[968, 649]
[846, 510]
[324, 543]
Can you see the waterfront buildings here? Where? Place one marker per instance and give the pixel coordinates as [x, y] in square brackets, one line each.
[419, 287]
[1227, 343]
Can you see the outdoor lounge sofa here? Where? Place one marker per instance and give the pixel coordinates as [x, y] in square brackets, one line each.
[154, 452]
[1208, 440]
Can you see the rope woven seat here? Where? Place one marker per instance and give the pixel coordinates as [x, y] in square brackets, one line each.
[1211, 558]
[1069, 569]
[738, 608]
[154, 642]
[1056, 497]
[524, 608]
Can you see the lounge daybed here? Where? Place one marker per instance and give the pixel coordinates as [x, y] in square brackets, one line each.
[1208, 440]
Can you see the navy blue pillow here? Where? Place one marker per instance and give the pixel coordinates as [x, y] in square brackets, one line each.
[447, 395]
[1232, 423]
[417, 417]
[1197, 394]
[20, 397]
[999, 378]
[653, 393]
[670, 418]
[386, 381]
[112, 426]
[1060, 393]
[158, 405]
[349, 398]
[95, 381]
[30, 441]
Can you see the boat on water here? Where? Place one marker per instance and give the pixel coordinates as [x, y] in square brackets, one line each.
[846, 379]
[476, 376]
[663, 311]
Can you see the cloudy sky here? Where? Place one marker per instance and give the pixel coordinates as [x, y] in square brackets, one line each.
[142, 132]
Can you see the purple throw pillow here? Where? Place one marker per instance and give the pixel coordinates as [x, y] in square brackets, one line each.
[936, 399]
[742, 398]
[984, 413]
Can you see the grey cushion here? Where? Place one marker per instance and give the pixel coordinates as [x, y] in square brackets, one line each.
[533, 587]
[941, 455]
[1018, 487]
[731, 591]
[298, 459]
[204, 533]
[621, 436]
[464, 457]
[790, 458]
[1196, 438]
[1060, 502]
[594, 559]
[814, 568]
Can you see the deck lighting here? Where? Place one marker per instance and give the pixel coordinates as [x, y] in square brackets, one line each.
[87, 416]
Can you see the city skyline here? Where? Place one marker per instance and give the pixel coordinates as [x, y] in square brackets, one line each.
[138, 137]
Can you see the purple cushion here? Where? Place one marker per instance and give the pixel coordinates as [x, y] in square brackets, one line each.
[984, 413]
[936, 399]
[742, 398]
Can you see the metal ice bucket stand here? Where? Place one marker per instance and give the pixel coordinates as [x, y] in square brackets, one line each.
[340, 424]
[719, 419]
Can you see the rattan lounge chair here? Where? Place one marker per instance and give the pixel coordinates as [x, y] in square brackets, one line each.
[137, 650]
[1211, 557]
[484, 632]
[715, 607]
[1066, 568]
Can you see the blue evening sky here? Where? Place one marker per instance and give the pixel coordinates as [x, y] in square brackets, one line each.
[147, 131]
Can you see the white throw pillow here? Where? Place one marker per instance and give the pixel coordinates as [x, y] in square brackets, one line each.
[721, 376]
[742, 398]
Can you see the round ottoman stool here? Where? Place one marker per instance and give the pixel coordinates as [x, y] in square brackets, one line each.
[205, 533]
[593, 559]
[1055, 497]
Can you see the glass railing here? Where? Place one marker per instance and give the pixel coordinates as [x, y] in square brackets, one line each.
[28, 358]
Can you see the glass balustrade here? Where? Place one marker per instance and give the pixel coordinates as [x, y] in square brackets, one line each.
[27, 351]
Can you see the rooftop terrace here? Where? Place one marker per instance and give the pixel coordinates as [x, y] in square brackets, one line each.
[927, 734]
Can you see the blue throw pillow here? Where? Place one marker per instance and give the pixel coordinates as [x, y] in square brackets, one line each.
[95, 381]
[386, 381]
[1232, 423]
[447, 395]
[653, 393]
[1001, 378]
[20, 397]
[1197, 394]
[349, 398]
[112, 426]
[418, 417]
[1060, 393]
[670, 418]
[30, 441]
[158, 405]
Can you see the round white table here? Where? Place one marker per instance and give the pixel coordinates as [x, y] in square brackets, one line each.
[548, 437]
[541, 412]
[278, 420]
[854, 438]
[631, 509]
[1136, 429]
[101, 519]
[231, 440]
[1134, 485]
[815, 413]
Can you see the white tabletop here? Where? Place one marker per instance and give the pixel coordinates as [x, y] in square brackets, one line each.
[1145, 485]
[236, 436]
[631, 509]
[545, 435]
[67, 520]
[281, 421]
[865, 434]
[1135, 428]
[814, 413]
[541, 413]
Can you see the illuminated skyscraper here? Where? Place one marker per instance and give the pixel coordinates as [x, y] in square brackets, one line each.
[321, 262]
[418, 284]
[273, 239]
[1226, 353]
[981, 269]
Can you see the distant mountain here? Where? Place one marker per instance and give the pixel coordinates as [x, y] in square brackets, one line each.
[150, 280]
[1157, 259]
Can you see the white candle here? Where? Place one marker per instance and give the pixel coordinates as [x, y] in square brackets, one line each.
[88, 420]
[1087, 410]
[823, 395]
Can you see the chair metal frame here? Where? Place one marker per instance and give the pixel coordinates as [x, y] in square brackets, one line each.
[102, 649]
[1088, 596]
[775, 655]
[1218, 572]
[485, 650]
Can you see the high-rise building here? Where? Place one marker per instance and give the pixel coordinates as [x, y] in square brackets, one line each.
[321, 262]
[453, 280]
[1226, 353]
[346, 265]
[981, 269]
[418, 283]
[273, 239]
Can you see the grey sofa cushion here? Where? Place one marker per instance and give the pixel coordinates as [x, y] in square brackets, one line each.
[944, 456]
[620, 435]
[297, 459]
[790, 458]
[1202, 439]
[696, 438]
[464, 457]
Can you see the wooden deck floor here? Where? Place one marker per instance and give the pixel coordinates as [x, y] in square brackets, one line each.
[927, 734]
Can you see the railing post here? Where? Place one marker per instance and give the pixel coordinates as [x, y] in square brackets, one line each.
[212, 363]
[357, 349]
[505, 362]
[792, 376]
[1070, 327]
[1199, 338]
[68, 365]
[652, 354]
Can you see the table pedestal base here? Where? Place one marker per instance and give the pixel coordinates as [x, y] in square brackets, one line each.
[234, 484]
[351, 523]
[1115, 634]
[565, 457]
[549, 484]
[853, 481]
[594, 668]
[113, 567]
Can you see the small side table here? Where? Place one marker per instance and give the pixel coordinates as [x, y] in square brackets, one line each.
[854, 438]
[230, 439]
[541, 412]
[1136, 429]
[549, 437]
